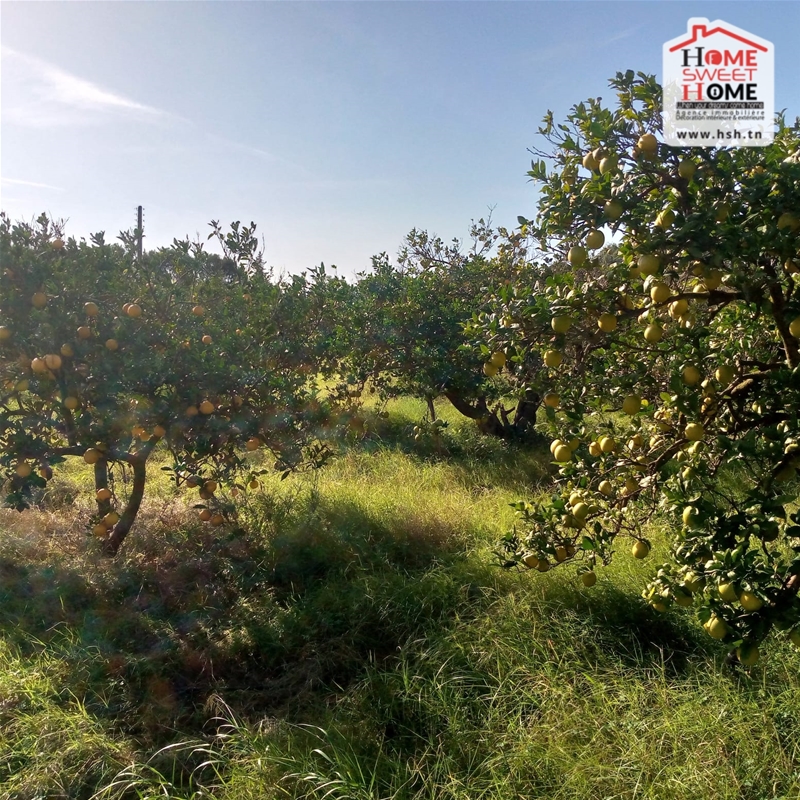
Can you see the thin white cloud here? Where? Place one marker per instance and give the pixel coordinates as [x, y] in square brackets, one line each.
[17, 182]
[43, 95]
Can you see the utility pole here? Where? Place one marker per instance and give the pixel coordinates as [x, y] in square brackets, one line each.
[139, 231]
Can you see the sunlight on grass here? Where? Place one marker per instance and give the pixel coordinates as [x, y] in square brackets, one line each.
[354, 636]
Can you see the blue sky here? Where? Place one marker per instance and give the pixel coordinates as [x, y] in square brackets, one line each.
[335, 126]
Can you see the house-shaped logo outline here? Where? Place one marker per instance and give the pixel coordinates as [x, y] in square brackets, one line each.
[700, 30]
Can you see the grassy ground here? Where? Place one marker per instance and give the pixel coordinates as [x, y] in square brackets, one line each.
[355, 639]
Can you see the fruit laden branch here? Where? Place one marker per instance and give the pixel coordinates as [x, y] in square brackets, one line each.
[672, 387]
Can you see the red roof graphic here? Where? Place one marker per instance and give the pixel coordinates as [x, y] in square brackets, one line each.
[699, 31]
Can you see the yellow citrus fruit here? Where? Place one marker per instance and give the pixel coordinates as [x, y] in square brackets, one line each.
[794, 327]
[38, 366]
[67, 351]
[210, 486]
[552, 400]
[724, 374]
[562, 454]
[23, 469]
[665, 218]
[253, 444]
[206, 339]
[580, 511]
[192, 411]
[691, 375]
[217, 519]
[787, 220]
[613, 210]
[198, 311]
[561, 323]
[254, 484]
[490, 370]
[91, 309]
[687, 169]
[99, 529]
[678, 308]
[694, 431]
[750, 601]
[607, 322]
[606, 488]
[648, 264]
[112, 344]
[632, 404]
[39, 300]
[206, 407]
[640, 549]
[607, 444]
[72, 403]
[530, 560]
[748, 655]
[111, 519]
[205, 515]
[84, 332]
[103, 494]
[594, 449]
[648, 144]
[553, 358]
[92, 455]
[590, 162]
[134, 311]
[653, 333]
[577, 255]
[716, 627]
[659, 292]
[608, 164]
[589, 579]
[727, 591]
[595, 240]
[498, 359]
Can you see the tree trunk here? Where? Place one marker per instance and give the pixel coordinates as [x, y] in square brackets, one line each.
[488, 421]
[101, 482]
[525, 415]
[121, 529]
[431, 409]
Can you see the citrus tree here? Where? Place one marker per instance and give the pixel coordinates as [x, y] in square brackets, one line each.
[403, 331]
[673, 361]
[105, 357]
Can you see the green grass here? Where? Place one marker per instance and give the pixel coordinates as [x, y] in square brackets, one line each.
[356, 639]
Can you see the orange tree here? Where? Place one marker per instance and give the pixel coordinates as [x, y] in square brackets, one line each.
[402, 328]
[103, 357]
[674, 371]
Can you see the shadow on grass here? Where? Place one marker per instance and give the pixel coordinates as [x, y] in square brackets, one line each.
[275, 622]
[477, 459]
